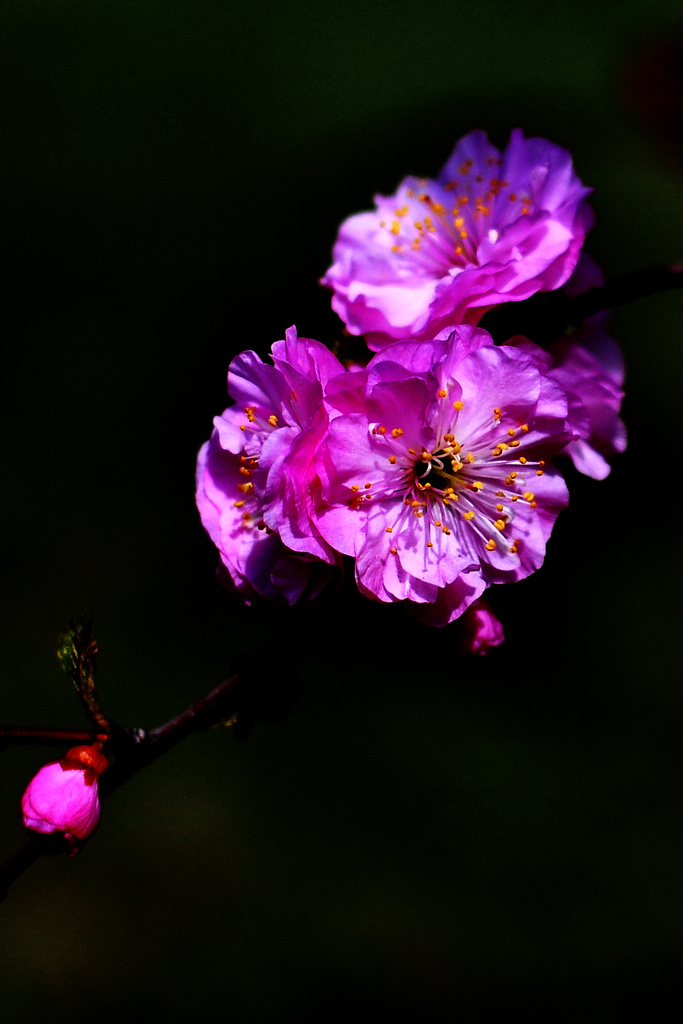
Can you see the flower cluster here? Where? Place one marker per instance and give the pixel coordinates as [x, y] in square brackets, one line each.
[434, 466]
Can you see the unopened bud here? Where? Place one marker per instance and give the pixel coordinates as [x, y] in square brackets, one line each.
[63, 796]
[481, 629]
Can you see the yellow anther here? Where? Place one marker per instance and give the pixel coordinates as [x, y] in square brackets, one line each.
[514, 548]
[272, 419]
[443, 393]
[446, 531]
[513, 475]
[355, 487]
[246, 488]
[500, 508]
[522, 460]
[458, 222]
[469, 515]
[392, 460]
[514, 444]
[381, 430]
[394, 551]
[499, 524]
[491, 545]
[243, 426]
[437, 522]
[470, 457]
[401, 212]
[429, 544]
[415, 504]
[496, 414]
[528, 495]
[244, 471]
[396, 227]
[533, 504]
[367, 486]
[477, 486]
[238, 504]
[396, 432]
[525, 428]
[459, 405]
[511, 431]
[389, 529]
[246, 516]
[539, 472]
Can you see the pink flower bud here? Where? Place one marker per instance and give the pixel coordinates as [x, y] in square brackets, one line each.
[63, 797]
[481, 629]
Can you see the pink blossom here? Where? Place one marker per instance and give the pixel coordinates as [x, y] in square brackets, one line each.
[253, 475]
[590, 368]
[436, 477]
[63, 796]
[491, 228]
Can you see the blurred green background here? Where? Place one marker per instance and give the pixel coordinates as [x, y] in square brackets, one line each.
[422, 839]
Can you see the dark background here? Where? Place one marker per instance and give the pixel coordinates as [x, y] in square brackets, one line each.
[423, 838]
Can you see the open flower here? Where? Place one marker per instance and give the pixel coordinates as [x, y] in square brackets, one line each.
[439, 482]
[253, 475]
[63, 796]
[491, 228]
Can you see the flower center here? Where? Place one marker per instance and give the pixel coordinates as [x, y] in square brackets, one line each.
[437, 470]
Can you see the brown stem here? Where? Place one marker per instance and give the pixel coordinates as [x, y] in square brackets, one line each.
[637, 285]
[34, 736]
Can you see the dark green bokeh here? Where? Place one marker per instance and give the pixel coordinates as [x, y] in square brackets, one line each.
[421, 838]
